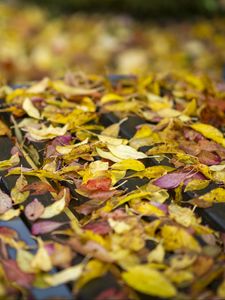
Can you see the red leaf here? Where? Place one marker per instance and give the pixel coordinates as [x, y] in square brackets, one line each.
[101, 227]
[34, 210]
[15, 274]
[8, 232]
[103, 196]
[97, 184]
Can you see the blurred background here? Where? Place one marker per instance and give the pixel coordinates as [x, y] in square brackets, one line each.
[49, 37]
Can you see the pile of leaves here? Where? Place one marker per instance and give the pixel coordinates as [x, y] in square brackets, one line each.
[71, 175]
[35, 44]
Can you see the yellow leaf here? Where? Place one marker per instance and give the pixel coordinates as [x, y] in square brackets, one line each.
[111, 140]
[157, 254]
[221, 290]
[125, 152]
[16, 194]
[146, 208]
[10, 214]
[175, 238]
[13, 161]
[217, 168]
[112, 130]
[168, 113]
[30, 109]
[54, 209]
[38, 173]
[196, 184]
[46, 133]
[117, 175]
[154, 172]
[24, 259]
[123, 106]
[129, 164]
[66, 149]
[3, 129]
[119, 226]
[219, 176]
[209, 132]
[68, 90]
[107, 155]
[69, 274]
[93, 269]
[149, 281]
[111, 97]
[190, 108]
[182, 215]
[159, 105]
[39, 87]
[41, 260]
[180, 276]
[216, 195]
[133, 195]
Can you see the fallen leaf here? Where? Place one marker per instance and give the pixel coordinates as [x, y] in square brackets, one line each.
[5, 202]
[129, 164]
[69, 274]
[34, 210]
[125, 152]
[30, 109]
[54, 209]
[149, 281]
[43, 227]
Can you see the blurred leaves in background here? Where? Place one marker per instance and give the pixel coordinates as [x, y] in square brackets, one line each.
[34, 43]
[138, 8]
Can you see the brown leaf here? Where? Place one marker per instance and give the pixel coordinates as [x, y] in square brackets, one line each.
[39, 188]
